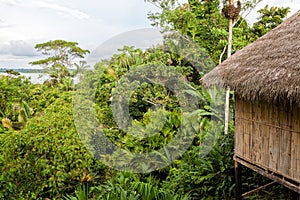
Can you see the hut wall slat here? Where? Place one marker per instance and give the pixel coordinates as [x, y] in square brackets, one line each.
[268, 135]
[274, 138]
[286, 152]
[256, 131]
[297, 174]
[295, 145]
[247, 128]
[251, 130]
[257, 134]
[285, 142]
[239, 127]
[265, 132]
[294, 152]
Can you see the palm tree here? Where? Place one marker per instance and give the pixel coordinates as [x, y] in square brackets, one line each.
[81, 67]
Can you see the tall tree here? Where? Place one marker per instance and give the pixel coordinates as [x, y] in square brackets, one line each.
[61, 56]
[203, 22]
[231, 12]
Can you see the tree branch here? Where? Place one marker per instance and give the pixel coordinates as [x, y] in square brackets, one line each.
[222, 54]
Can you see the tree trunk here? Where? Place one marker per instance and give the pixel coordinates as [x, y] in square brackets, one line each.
[230, 38]
[228, 55]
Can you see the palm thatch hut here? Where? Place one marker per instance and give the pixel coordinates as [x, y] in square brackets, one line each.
[265, 77]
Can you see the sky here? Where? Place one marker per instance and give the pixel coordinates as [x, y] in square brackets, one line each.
[94, 24]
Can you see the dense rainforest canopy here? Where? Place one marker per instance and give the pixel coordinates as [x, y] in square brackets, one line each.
[43, 157]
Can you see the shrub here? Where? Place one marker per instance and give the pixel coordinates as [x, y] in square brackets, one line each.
[127, 186]
[208, 177]
[46, 159]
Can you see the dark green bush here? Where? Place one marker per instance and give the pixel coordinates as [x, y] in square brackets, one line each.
[205, 177]
[47, 158]
[126, 186]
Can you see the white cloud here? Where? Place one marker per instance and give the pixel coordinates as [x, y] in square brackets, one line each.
[23, 23]
[89, 23]
[9, 61]
[62, 9]
[18, 48]
[9, 2]
[139, 38]
[3, 24]
[67, 11]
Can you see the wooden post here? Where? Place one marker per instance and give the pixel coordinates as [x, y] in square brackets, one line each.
[238, 183]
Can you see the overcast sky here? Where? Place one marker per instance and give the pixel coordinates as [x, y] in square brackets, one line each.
[91, 23]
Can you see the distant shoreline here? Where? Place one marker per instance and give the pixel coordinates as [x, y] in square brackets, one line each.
[23, 70]
[35, 78]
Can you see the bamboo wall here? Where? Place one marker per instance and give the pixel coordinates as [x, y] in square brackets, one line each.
[268, 135]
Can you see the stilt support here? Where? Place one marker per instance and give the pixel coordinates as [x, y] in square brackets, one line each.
[238, 183]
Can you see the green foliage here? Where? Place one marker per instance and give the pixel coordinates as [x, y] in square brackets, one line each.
[154, 109]
[67, 84]
[127, 186]
[81, 193]
[211, 176]
[146, 120]
[46, 158]
[206, 177]
[252, 180]
[203, 22]
[269, 18]
[2, 129]
[12, 72]
[14, 108]
[61, 57]
[12, 90]
[163, 4]
[146, 94]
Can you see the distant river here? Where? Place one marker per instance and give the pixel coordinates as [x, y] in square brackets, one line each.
[35, 78]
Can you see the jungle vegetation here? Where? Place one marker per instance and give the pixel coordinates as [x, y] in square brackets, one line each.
[42, 156]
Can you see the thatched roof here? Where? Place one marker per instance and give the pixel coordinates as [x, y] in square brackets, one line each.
[268, 69]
